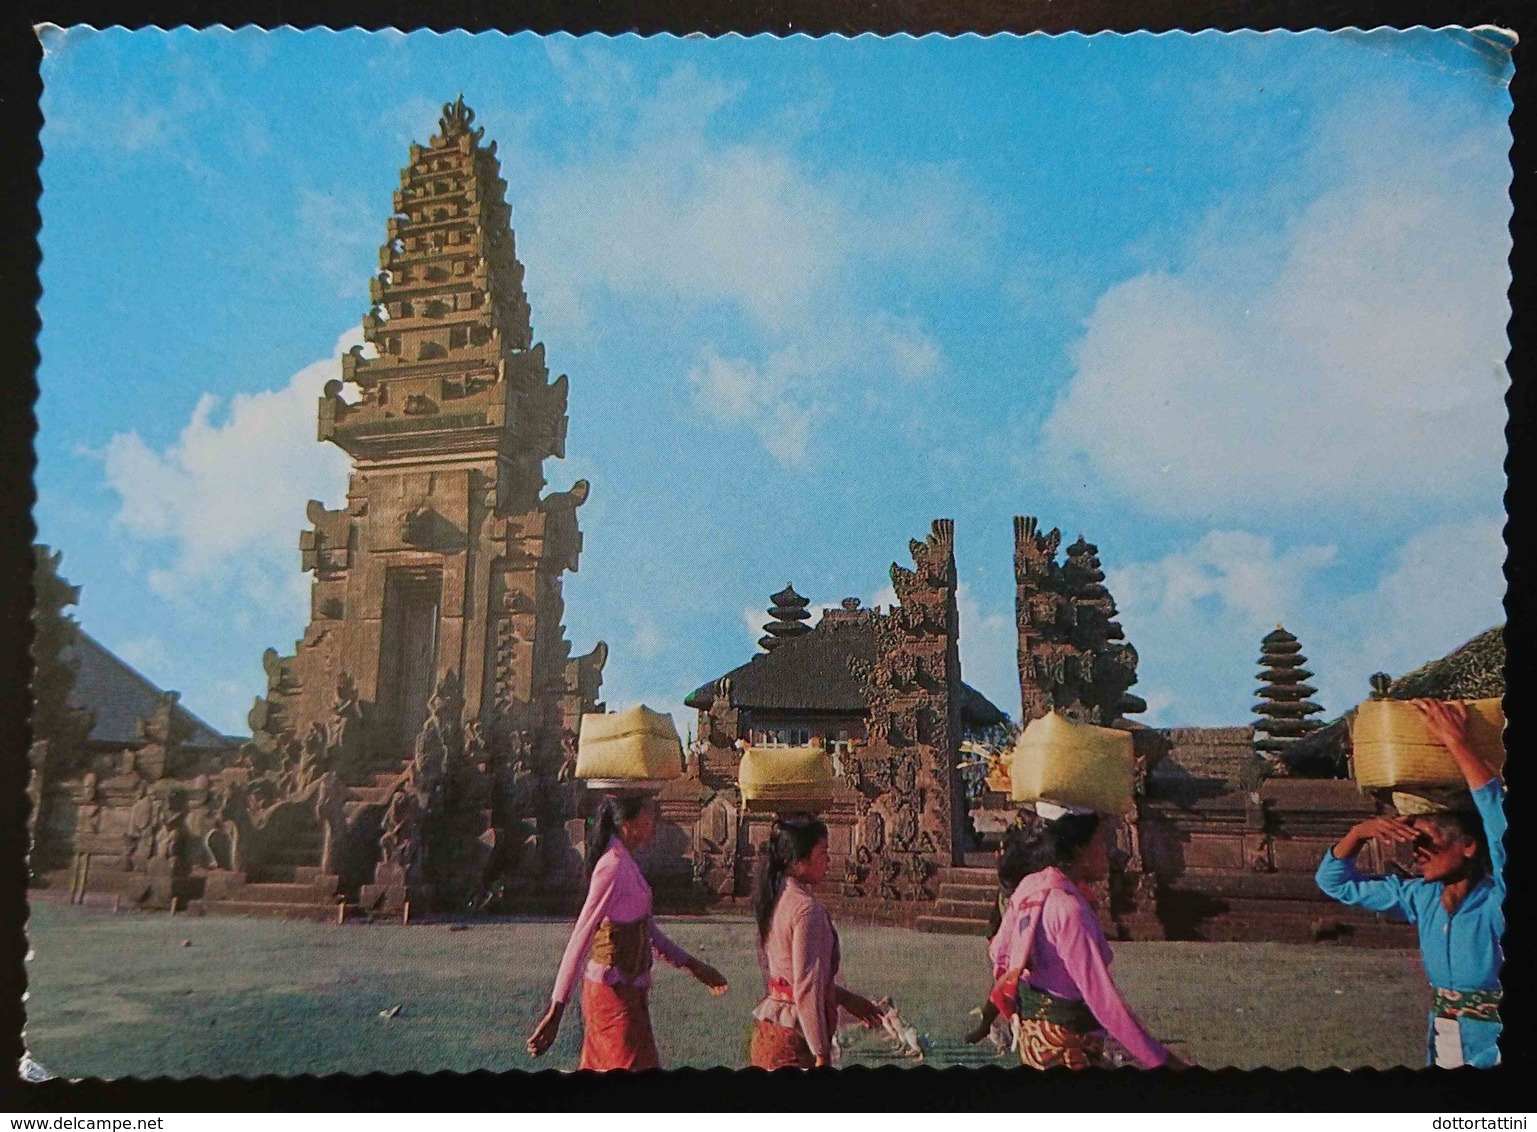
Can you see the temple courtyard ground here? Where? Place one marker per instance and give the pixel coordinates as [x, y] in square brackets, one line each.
[114, 995]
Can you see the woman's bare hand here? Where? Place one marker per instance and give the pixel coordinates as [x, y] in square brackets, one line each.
[544, 1036]
[709, 976]
[860, 1007]
[1391, 830]
[1446, 721]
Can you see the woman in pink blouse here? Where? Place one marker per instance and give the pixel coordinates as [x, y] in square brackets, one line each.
[798, 951]
[616, 937]
[1051, 961]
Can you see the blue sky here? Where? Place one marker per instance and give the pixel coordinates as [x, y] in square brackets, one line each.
[1232, 306]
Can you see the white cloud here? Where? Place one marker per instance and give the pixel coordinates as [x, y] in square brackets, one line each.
[1235, 571]
[1442, 587]
[147, 654]
[1355, 361]
[228, 495]
[1197, 615]
[648, 640]
[659, 209]
[754, 618]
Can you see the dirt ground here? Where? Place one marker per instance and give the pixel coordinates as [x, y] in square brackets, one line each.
[121, 995]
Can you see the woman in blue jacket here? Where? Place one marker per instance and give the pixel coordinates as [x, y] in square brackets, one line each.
[1455, 902]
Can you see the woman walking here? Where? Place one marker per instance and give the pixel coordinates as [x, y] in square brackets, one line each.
[1457, 901]
[798, 952]
[1014, 861]
[1051, 961]
[617, 936]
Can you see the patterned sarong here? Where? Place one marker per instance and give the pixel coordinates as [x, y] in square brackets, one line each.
[1057, 1032]
[779, 1047]
[616, 1028]
[1478, 1005]
[1046, 1045]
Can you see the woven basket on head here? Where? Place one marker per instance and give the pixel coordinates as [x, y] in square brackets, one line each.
[1390, 746]
[638, 745]
[1073, 764]
[801, 776]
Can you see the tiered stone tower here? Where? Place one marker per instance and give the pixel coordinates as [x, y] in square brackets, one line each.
[438, 584]
[1284, 709]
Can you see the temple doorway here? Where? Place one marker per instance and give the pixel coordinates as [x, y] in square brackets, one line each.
[410, 651]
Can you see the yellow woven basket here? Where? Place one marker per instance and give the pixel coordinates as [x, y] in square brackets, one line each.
[639, 744]
[1390, 746]
[1073, 764]
[787, 775]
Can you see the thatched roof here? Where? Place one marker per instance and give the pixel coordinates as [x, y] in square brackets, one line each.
[811, 673]
[1473, 671]
[120, 697]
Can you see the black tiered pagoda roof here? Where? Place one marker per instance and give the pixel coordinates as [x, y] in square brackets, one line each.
[810, 673]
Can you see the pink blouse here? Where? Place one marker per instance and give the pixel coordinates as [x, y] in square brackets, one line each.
[617, 892]
[799, 959]
[1069, 958]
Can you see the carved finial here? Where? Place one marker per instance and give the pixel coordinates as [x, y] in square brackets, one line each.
[1381, 683]
[457, 119]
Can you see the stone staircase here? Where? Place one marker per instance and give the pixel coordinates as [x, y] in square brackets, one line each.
[1214, 904]
[965, 900]
[304, 893]
[291, 886]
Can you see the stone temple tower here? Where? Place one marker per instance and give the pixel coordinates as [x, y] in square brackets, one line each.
[437, 598]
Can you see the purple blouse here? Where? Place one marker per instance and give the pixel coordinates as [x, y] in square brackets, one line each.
[1069, 957]
[617, 892]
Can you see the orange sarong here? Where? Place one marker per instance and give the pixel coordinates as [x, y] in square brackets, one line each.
[616, 1028]
[779, 1047]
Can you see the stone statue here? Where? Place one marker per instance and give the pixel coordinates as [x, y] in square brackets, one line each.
[139, 841]
[331, 812]
[230, 808]
[344, 730]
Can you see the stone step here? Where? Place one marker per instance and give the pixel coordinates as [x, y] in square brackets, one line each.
[281, 894]
[978, 893]
[962, 909]
[1250, 929]
[1224, 882]
[980, 859]
[959, 875]
[1322, 909]
[951, 925]
[320, 913]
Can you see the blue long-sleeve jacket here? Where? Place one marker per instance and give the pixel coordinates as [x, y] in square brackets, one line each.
[1461, 950]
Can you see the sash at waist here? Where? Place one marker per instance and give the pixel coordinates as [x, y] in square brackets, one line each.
[778, 1005]
[1476, 1005]
[626, 948]
[1037, 1005]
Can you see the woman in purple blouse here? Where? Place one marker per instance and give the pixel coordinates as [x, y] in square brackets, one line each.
[612, 945]
[1051, 962]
